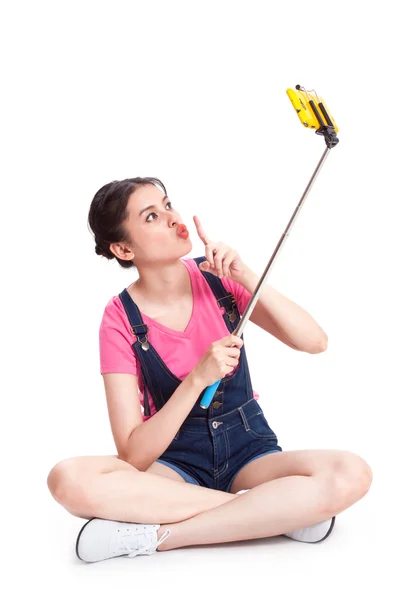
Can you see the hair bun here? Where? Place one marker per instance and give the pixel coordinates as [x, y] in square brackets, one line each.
[99, 249]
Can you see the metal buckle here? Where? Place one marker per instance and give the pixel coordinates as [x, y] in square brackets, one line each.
[144, 344]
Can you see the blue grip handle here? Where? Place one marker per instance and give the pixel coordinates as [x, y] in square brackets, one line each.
[209, 394]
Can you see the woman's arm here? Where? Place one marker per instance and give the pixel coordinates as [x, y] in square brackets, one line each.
[150, 439]
[283, 318]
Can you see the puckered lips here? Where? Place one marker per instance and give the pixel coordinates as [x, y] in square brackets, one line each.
[182, 231]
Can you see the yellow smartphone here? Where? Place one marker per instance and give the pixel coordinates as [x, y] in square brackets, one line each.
[300, 101]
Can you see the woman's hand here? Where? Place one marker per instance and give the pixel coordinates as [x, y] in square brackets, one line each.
[220, 359]
[222, 260]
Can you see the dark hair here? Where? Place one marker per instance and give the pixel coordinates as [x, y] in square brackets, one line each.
[108, 213]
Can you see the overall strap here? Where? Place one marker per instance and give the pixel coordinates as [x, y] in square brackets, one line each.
[139, 330]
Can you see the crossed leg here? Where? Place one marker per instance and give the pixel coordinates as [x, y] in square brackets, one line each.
[346, 470]
[286, 491]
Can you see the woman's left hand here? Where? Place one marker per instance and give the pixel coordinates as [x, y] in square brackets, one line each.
[222, 260]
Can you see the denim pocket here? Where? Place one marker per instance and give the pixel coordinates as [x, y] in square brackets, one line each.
[259, 427]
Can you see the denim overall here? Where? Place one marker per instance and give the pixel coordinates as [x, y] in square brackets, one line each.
[212, 444]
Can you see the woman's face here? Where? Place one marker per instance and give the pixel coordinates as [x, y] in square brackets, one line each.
[152, 226]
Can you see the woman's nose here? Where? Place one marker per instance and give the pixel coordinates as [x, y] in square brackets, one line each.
[173, 220]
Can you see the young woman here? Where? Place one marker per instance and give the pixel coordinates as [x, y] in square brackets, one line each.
[163, 340]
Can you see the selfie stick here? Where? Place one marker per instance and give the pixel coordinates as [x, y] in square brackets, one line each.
[322, 122]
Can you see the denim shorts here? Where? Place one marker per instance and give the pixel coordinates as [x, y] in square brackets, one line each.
[211, 451]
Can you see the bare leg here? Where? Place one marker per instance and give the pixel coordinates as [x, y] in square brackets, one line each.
[271, 508]
[109, 488]
[286, 491]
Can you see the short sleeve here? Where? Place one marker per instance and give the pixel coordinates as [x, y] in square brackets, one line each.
[241, 295]
[115, 341]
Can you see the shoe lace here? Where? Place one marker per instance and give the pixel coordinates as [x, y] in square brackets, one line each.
[141, 543]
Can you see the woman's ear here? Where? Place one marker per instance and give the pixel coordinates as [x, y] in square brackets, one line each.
[122, 251]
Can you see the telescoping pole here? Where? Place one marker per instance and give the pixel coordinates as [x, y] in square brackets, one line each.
[331, 140]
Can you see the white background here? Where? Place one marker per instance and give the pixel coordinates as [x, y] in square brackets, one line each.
[194, 93]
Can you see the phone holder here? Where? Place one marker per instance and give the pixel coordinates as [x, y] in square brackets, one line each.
[313, 112]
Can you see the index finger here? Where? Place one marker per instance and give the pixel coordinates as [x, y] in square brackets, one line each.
[200, 230]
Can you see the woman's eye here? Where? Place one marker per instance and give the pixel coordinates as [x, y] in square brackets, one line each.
[155, 214]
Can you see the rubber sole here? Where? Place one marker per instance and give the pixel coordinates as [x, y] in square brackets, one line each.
[79, 535]
[327, 533]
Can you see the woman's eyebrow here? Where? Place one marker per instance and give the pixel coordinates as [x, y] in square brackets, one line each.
[152, 206]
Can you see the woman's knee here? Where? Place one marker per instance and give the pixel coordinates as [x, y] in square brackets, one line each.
[69, 481]
[65, 480]
[349, 479]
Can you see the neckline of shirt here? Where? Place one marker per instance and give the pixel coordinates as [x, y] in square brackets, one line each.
[188, 262]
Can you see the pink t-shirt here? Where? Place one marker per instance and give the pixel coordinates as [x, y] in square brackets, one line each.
[180, 350]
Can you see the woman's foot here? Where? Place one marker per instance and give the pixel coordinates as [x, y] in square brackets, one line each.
[313, 533]
[100, 539]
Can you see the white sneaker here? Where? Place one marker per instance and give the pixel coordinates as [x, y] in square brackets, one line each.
[100, 539]
[313, 533]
